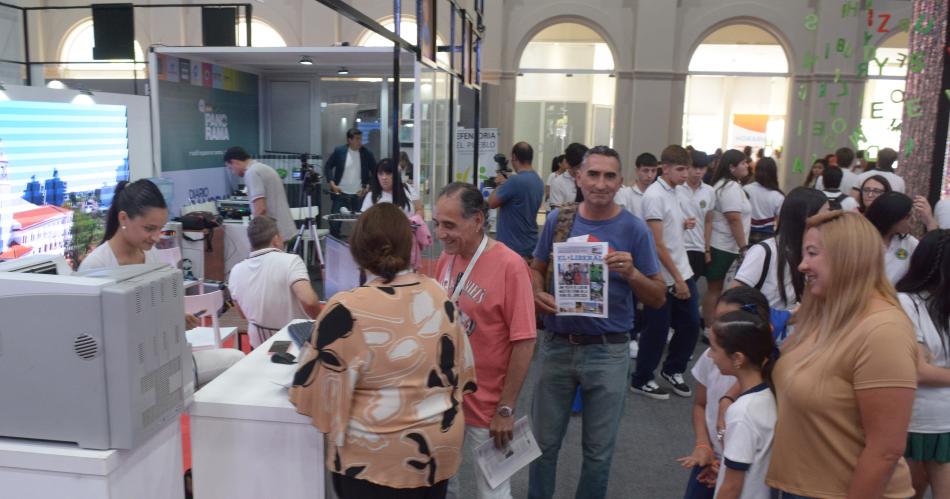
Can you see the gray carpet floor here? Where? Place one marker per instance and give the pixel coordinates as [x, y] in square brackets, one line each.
[652, 434]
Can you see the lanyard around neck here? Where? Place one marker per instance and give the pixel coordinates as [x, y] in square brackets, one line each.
[460, 284]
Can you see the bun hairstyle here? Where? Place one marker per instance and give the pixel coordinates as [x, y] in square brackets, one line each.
[750, 299]
[382, 241]
[134, 199]
[747, 333]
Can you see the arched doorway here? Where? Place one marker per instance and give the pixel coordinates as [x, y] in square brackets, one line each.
[76, 52]
[737, 91]
[882, 105]
[262, 34]
[565, 91]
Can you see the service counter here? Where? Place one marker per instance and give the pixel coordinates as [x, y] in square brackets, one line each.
[247, 439]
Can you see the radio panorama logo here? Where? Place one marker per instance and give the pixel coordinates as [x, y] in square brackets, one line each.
[216, 124]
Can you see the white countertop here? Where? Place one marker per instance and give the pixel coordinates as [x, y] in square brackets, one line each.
[254, 389]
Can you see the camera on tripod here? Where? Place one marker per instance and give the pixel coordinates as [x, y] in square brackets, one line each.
[309, 177]
[502, 161]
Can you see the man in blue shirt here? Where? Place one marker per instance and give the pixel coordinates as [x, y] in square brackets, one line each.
[585, 351]
[518, 199]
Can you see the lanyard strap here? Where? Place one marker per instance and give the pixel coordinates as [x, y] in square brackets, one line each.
[460, 284]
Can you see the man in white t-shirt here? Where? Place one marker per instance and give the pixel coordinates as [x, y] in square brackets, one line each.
[697, 199]
[885, 167]
[563, 189]
[630, 197]
[837, 200]
[668, 222]
[348, 171]
[271, 288]
[265, 189]
[843, 157]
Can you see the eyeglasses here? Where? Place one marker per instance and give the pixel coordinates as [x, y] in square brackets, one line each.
[872, 190]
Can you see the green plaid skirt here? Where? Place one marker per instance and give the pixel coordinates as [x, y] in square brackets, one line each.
[928, 447]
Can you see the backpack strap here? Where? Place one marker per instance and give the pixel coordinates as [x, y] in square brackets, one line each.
[765, 265]
[562, 230]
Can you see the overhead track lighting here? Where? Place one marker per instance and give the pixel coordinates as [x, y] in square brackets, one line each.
[84, 98]
[343, 71]
[306, 60]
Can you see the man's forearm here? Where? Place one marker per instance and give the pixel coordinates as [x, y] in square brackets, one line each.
[518, 364]
[537, 281]
[651, 292]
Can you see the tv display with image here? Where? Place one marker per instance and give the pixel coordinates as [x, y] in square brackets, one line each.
[59, 165]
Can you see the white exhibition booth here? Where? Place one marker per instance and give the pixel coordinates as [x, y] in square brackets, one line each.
[247, 439]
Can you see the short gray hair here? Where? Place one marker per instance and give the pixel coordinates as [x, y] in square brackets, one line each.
[470, 198]
[261, 231]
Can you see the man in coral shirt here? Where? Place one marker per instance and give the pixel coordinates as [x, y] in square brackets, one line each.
[496, 307]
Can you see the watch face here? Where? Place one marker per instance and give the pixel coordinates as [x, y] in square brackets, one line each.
[504, 411]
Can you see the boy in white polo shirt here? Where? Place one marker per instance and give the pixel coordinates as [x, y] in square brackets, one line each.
[631, 196]
[697, 199]
[665, 216]
[271, 287]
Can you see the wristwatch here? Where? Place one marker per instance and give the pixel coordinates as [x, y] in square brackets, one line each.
[505, 411]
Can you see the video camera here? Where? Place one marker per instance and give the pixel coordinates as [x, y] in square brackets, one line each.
[309, 177]
[502, 161]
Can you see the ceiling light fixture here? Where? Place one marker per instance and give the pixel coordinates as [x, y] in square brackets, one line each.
[343, 71]
[55, 85]
[84, 98]
[306, 60]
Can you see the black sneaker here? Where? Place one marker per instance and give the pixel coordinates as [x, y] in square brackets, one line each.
[678, 384]
[652, 390]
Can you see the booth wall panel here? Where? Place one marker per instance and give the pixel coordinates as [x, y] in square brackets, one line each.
[289, 103]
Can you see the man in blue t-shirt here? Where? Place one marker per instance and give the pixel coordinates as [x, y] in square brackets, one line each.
[590, 352]
[518, 199]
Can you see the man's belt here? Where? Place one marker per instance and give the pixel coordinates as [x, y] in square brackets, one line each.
[593, 339]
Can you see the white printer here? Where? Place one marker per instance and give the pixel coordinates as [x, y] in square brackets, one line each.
[97, 358]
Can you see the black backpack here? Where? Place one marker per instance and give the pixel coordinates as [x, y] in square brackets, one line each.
[835, 203]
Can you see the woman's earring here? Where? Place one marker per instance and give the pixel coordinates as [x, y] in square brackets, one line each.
[124, 227]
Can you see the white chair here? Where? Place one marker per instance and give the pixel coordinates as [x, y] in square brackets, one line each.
[171, 256]
[203, 338]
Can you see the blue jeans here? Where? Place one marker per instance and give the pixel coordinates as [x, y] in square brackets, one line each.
[683, 316]
[337, 201]
[696, 490]
[601, 372]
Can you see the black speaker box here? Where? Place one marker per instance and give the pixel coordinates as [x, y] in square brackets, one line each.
[217, 26]
[113, 31]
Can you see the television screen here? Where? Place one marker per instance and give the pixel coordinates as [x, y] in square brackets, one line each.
[59, 165]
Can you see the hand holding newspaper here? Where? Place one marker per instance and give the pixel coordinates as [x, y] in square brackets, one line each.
[580, 279]
[498, 465]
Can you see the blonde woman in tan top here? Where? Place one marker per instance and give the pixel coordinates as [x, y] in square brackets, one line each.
[385, 370]
[845, 381]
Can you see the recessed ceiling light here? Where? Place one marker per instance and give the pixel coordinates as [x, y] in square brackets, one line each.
[343, 71]
[306, 60]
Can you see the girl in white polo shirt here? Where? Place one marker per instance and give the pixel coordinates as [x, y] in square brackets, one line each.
[923, 295]
[728, 234]
[741, 345]
[766, 199]
[890, 214]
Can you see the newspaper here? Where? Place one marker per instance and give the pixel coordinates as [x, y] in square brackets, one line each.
[498, 465]
[580, 279]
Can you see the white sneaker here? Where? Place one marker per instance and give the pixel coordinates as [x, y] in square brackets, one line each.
[634, 348]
